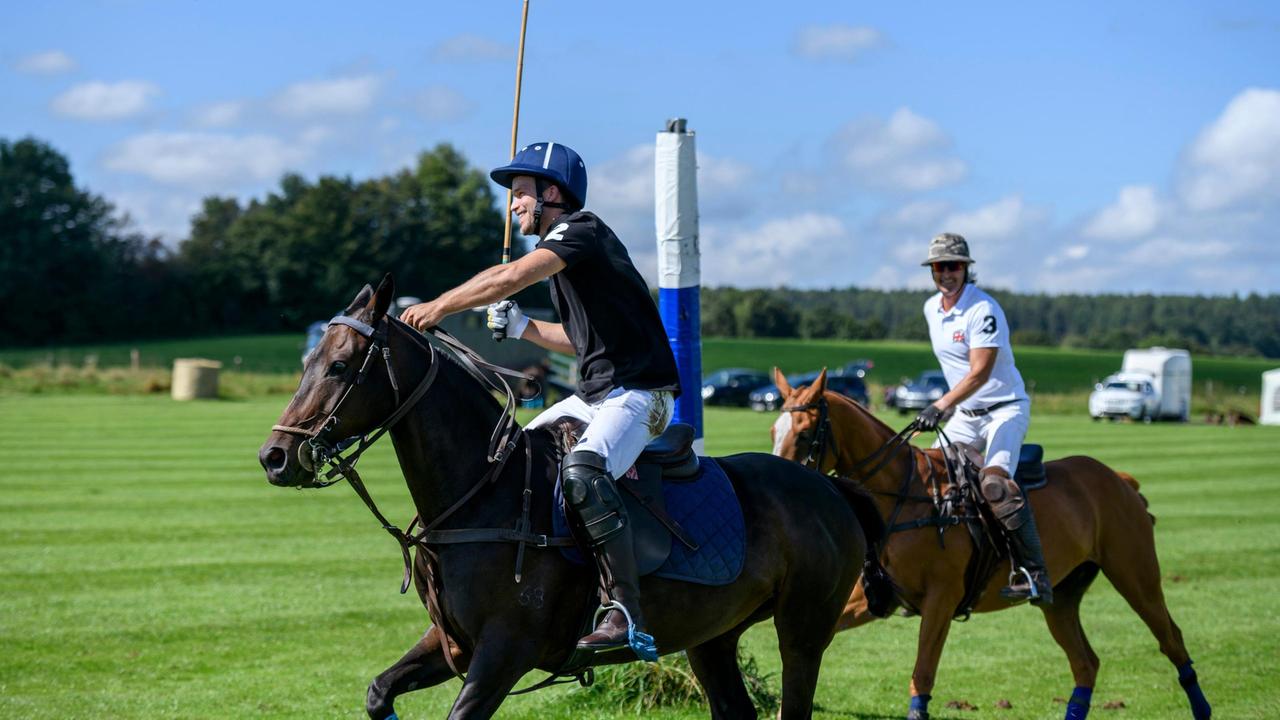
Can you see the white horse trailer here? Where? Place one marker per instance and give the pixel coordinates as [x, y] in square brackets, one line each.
[1170, 370]
[1270, 398]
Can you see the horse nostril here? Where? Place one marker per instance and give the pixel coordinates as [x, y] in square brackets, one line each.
[274, 459]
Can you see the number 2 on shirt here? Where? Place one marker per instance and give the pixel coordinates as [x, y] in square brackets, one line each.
[557, 233]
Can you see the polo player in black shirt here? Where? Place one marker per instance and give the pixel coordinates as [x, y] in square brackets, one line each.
[627, 374]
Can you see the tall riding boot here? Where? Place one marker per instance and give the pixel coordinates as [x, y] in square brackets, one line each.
[1030, 559]
[617, 560]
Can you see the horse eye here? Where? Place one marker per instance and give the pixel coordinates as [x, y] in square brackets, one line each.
[337, 368]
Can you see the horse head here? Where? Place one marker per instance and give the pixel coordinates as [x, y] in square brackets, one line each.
[343, 393]
[802, 432]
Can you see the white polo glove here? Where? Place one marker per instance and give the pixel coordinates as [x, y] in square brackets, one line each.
[505, 319]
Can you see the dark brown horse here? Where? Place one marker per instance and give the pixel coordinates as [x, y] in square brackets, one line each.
[1090, 517]
[371, 370]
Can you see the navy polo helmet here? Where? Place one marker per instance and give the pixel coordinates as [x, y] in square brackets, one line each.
[551, 161]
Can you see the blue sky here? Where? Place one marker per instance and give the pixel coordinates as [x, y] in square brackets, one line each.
[1097, 147]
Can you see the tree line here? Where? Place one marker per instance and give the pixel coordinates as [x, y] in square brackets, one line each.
[74, 269]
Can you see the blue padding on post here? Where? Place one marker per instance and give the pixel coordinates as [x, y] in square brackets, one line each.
[681, 309]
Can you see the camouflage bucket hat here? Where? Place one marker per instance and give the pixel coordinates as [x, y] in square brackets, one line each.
[948, 246]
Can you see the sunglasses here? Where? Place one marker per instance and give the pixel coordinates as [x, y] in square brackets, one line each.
[949, 266]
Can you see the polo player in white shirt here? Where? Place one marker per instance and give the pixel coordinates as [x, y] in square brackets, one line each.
[971, 341]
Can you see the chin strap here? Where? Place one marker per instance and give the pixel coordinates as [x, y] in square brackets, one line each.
[541, 186]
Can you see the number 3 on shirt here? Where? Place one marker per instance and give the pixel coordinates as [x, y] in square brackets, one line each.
[988, 325]
[557, 233]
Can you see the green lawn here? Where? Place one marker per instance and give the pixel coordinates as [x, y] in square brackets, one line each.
[149, 570]
[1046, 370]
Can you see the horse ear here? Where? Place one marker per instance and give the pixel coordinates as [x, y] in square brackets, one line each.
[821, 382]
[781, 381]
[382, 298]
[362, 299]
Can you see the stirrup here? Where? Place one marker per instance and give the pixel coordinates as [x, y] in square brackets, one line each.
[1033, 592]
[641, 643]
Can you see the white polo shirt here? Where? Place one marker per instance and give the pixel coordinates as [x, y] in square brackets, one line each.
[975, 322]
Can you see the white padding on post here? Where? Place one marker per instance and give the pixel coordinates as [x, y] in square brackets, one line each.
[676, 211]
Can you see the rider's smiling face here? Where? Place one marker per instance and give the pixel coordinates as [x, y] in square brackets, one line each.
[524, 197]
[948, 277]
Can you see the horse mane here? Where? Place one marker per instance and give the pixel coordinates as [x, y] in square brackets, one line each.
[832, 395]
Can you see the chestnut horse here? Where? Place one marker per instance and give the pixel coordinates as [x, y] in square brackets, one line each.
[371, 372]
[1090, 518]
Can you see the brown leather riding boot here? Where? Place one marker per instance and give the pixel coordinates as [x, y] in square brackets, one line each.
[1028, 555]
[617, 560]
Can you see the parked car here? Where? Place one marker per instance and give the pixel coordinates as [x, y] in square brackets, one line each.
[731, 386]
[916, 394]
[1125, 394]
[850, 385]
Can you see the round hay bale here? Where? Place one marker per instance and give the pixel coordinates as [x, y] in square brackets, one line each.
[195, 379]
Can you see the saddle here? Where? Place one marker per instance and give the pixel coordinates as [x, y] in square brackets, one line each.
[668, 458]
[964, 503]
[1029, 474]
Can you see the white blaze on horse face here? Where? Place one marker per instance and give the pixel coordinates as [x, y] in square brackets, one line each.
[781, 429]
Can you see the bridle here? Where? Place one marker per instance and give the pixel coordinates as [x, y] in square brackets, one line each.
[320, 448]
[817, 446]
[506, 436]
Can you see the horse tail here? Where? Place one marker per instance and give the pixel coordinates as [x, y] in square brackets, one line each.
[877, 586]
[1133, 483]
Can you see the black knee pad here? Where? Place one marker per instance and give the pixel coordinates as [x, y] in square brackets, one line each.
[591, 494]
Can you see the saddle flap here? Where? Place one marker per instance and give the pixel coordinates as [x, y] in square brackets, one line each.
[1030, 473]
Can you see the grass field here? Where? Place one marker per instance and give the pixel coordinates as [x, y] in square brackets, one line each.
[1046, 370]
[150, 571]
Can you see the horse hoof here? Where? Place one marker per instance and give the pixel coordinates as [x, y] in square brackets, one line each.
[918, 715]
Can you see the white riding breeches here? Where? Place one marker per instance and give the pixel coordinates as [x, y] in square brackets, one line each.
[619, 426]
[998, 435]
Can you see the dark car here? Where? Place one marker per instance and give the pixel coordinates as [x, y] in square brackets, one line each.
[849, 385]
[916, 394]
[731, 386]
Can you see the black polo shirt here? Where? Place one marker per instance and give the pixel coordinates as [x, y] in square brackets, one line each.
[607, 311]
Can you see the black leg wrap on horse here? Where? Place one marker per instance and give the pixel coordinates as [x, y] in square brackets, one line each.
[1030, 556]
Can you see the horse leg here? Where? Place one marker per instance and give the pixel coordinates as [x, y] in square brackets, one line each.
[423, 666]
[856, 612]
[935, 623]
[805, 622]
[495, 668]
[1137, 579]
[715, 664]
[1063, 619]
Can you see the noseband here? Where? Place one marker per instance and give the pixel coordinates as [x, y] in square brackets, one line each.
[818, 446]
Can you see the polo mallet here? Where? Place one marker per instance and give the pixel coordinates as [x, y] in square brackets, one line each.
[498, 335]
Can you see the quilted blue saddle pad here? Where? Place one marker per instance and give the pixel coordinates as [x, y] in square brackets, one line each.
[708, 510]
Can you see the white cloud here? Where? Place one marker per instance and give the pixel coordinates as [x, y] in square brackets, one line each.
[843, 43]
[340, 96]
[52, 62]
[1173, 251]
[1006, 218]
[105, 101]
[906, 152]
[159, 212]
[1236, 159]
[204, 160]
[219, 115]
[441, 103]
[1135, 213]
[471, 48]
[806, 250]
